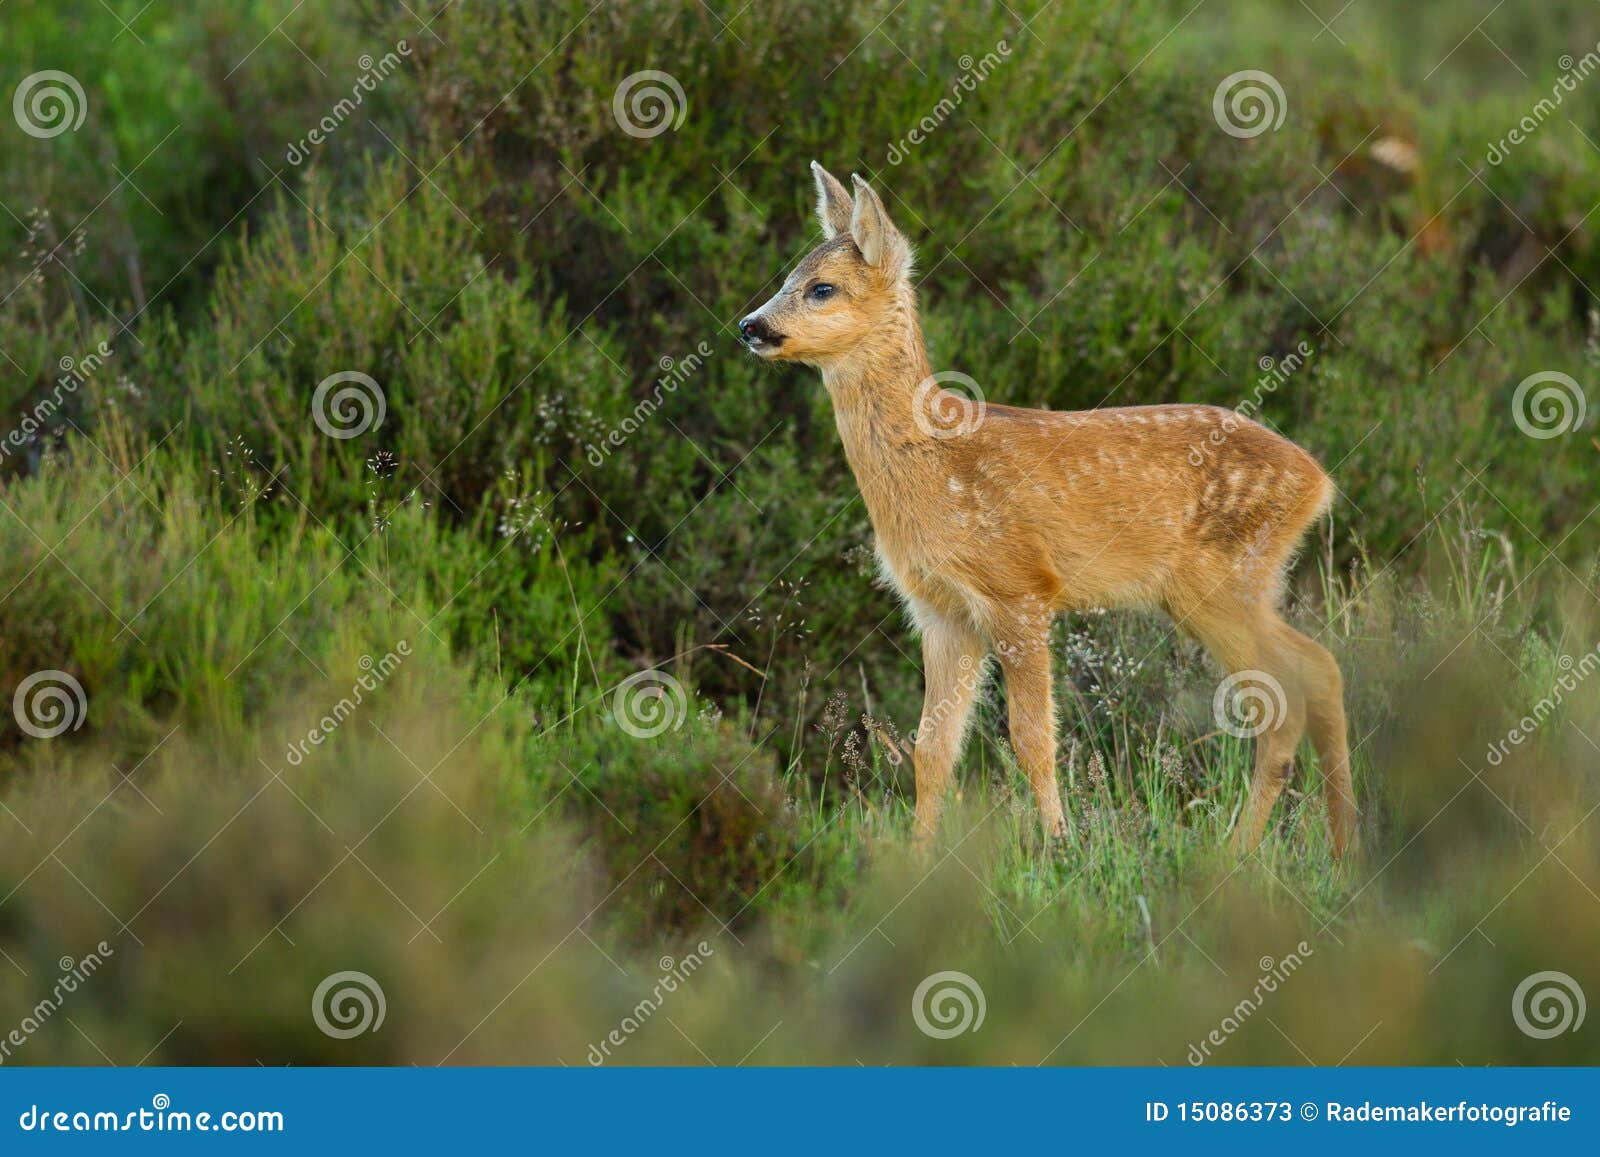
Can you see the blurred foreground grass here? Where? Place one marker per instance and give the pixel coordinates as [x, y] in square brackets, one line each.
[517, 878]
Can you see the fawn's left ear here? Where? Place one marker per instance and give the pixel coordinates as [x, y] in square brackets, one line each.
[882, 245]
[833, 203]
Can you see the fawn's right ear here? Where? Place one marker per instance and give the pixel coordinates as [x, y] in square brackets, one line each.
[834, 206]
[882, 245]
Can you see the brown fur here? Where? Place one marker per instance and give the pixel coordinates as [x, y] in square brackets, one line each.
[988, 533]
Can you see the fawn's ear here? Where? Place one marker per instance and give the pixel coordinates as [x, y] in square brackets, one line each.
[881, 244]
[833, 203]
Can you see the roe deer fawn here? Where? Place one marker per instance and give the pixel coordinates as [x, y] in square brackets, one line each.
[988, 528]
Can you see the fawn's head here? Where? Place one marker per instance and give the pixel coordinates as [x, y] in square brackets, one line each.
[846, 291]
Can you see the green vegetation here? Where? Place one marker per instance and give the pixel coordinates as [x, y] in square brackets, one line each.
[644, 693]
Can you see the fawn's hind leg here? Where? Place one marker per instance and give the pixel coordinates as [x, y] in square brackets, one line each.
[1323, 686]
[1283, 719]
[1263, 695]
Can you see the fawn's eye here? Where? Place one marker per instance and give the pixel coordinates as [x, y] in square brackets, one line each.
[821, 291]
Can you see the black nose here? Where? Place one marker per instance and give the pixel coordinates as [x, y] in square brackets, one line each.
[753, 329]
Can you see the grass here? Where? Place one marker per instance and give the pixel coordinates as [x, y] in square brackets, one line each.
[509, 867]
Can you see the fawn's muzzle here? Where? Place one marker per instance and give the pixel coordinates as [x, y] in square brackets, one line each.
[754, 331]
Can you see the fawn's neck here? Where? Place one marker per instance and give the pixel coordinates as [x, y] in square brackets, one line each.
[874, 394]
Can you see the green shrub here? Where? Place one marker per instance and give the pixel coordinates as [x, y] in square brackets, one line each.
[466, 377]
[188, 113]
[163, 595]
[692, 825]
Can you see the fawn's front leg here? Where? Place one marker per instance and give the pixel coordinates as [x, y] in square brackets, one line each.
[952, 662]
